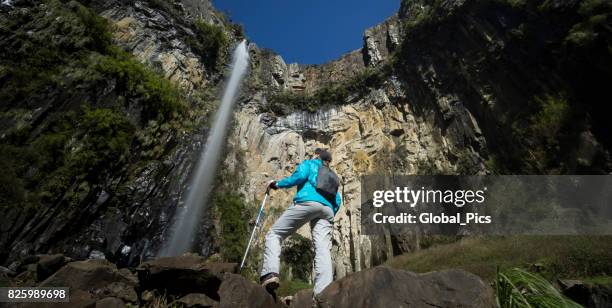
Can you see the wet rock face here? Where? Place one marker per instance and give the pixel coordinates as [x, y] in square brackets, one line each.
[386, 287]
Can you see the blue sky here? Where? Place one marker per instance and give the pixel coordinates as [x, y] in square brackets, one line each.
[308, 31]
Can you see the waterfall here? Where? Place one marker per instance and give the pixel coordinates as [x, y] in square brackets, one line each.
[185, 223]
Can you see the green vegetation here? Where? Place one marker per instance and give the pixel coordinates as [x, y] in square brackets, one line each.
[598, 280]
[105, 111]
[105, 137]
[44, 41]
[553, 256]
[420, 15]
[466, 164]
[291, 287]
[517, 288]
[234, 225]
[435, 240]
[68, 152]
[595, 15]
[298, 255]
[543, 133]
[161, 100]
[14, 161]
[210, 42]
[235, 217]
[517, 4]
[338, 93]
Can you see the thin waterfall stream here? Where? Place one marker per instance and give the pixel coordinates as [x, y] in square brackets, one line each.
[183, 229]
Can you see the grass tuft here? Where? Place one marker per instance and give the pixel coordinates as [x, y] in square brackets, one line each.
[518, 288]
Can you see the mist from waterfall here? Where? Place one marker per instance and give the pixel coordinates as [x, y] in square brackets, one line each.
[184, 227]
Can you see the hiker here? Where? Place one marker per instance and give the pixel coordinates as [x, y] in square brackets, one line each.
[316, 201]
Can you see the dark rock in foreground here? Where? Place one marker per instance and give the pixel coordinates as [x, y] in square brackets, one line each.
[96, 278]
[588, 295]
[235, 291]
[179, 276]
[49, 264]
[387, 287]
[195, 300]
[302, 299]
[189, 281]
[93, 283]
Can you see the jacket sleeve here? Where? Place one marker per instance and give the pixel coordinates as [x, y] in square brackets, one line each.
[299, 176]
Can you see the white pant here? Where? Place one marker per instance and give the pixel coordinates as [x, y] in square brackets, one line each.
[321, 218]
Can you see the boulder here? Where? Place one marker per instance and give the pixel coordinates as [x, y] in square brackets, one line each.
[588, 295]
[7, 271]
[110, 302]
[92, 280]
[387, 287]
[49, 264]
[195, 300]
[302, 299]
[26, 277]
[147, 296]
[22, 264]
[179, 276]
[78, 299]
[236, 291]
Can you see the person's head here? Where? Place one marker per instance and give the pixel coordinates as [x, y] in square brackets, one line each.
[325, 156]
[317, 152]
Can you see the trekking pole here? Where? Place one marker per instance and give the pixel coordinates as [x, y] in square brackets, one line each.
[259, 215]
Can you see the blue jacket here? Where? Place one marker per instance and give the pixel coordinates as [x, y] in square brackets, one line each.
[305, 177]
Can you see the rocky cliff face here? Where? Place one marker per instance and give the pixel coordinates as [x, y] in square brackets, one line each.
[466, 87]
[375, 133]
[462, 92]
[124, 215]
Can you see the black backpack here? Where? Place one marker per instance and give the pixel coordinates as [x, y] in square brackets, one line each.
[327, 184]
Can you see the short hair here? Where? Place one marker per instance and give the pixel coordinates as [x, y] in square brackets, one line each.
[325, 156]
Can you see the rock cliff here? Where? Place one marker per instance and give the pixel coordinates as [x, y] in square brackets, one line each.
[122, 216]
[465, 89]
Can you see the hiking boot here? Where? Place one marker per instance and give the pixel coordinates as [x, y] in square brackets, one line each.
[270, 281]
